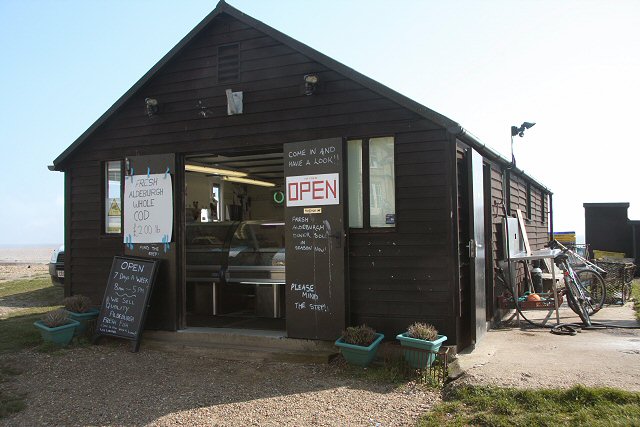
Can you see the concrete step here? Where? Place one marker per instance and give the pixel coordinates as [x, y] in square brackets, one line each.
[241, 344]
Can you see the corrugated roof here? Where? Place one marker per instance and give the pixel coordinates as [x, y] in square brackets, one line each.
[450, 125]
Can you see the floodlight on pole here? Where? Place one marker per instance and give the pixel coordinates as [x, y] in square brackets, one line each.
[515, 130]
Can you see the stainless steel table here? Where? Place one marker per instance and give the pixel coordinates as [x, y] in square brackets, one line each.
[535, 255]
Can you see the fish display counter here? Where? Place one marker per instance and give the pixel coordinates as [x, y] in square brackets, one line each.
[236, 268]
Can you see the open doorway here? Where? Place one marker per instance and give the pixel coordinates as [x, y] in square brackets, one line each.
[235, 244]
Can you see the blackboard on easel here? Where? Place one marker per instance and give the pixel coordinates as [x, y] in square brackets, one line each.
[126, 299]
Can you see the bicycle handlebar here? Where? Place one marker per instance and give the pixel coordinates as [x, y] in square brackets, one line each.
[554, 244]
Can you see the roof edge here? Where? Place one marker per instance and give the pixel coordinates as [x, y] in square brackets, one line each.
[469, 138]
[607, 205]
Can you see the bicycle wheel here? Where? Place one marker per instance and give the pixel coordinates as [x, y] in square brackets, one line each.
[594, 290]
[575, 299]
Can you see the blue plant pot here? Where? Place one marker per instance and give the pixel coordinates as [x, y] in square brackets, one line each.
[420, 359]
[83, 319]
[60, 335]
[359, 355]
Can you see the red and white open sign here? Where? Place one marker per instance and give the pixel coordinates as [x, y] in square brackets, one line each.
[313, 190]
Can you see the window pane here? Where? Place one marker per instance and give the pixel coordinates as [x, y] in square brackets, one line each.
[354, 159]
[113, 203]
[382, 183]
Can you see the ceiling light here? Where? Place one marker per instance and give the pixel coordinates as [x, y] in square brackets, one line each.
[215, 171]
[249, 181]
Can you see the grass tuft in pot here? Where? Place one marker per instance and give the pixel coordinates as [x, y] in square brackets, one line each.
[422, 331]
[77, 303]
[361, 335]
[55, 318]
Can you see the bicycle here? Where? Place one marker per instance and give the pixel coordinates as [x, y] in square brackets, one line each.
[584, 288]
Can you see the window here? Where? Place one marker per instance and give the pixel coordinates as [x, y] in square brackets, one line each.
[543, 207]
[371, 164]
[112, 197]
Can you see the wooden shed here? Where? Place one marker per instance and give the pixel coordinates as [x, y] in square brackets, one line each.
[392, 213]
[608, 228]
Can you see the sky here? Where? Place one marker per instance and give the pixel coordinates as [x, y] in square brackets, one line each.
[572, 67]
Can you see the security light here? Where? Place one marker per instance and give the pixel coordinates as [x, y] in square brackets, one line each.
[152, 106]
[310, 83]
[515, 130]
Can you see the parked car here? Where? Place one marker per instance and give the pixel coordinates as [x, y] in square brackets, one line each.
[56, 266]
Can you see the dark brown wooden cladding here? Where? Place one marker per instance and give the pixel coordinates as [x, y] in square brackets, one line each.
[88, 253]
[397, 276]
[536, 221]
[404, 275]
[497, 214]
[525, 195]
[193, 106]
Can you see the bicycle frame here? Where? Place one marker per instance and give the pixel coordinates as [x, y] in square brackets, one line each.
[574, 287]
[586, 262]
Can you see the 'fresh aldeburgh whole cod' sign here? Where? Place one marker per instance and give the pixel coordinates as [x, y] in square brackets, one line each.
[148, 208]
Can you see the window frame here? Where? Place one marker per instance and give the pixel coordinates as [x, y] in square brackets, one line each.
[104, 194]
[366, 186]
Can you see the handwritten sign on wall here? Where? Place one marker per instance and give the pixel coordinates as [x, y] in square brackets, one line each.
[315, 240]
[148, 208]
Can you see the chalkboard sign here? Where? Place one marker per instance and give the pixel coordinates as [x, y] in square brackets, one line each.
[126, 298]
[315, 239]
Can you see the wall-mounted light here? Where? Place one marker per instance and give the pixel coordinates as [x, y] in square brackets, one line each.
[152, 106]
[310, 83]
[214, 171]
[249, 181]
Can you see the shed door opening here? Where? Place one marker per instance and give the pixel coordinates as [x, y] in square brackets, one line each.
[235, 245]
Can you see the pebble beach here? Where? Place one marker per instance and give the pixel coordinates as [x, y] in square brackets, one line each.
[29, 261]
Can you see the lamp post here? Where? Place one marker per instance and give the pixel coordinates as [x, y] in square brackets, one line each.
[515, 130]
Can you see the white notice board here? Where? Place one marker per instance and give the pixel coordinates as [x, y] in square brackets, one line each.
[148, 208]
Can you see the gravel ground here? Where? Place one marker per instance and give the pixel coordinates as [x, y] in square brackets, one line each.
[107, 385]
[17, 263]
